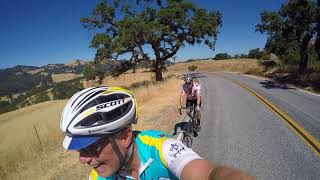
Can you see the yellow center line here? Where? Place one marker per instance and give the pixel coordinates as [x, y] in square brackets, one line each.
[307, 138]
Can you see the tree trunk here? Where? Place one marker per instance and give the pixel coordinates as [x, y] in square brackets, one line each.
[317, 42]
[317, 45]
[158, 70]
[303, 61]
[304, 53]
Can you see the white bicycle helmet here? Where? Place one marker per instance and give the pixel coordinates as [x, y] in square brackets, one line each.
[96, 112]
[187, 79]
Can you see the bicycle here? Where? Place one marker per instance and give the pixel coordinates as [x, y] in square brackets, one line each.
[191, 127]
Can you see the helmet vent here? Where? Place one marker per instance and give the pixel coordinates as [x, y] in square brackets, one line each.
[102, 99]
[101, 118]
[85, 99]
[111, 97]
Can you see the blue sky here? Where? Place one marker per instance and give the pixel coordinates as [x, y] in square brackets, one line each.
[36, 32]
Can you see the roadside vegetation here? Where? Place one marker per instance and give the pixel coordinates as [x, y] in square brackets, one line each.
[293, 34]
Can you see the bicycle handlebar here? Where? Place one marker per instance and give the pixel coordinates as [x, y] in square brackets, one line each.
[190, 107]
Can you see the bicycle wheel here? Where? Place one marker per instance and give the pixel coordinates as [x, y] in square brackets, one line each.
[193, 126]
[198, 128]
[187, 140]
[194, 122]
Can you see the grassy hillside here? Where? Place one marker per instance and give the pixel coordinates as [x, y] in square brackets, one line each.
[232, 65]
[64, 77]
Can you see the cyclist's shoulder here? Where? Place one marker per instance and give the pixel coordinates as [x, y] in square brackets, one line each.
[150, 145]
[151, 140]
[158, 139]
[196, 85]
[153, 134]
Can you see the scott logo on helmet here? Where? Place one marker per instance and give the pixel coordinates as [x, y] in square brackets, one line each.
[110, 104]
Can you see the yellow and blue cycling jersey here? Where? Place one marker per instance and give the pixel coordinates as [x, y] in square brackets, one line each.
[161, 157]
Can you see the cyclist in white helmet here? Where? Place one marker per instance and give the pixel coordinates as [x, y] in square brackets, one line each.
[97, 123]
[191, 96]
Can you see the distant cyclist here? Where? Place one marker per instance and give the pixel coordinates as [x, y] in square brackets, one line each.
[97, 123]
[191, 96]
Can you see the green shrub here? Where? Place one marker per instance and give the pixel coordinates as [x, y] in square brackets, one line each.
[89, 72]
[192, 67]
[41, 97]
[5, 106]
[222, 56]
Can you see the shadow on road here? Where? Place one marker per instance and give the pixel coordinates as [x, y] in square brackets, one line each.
[273, 85]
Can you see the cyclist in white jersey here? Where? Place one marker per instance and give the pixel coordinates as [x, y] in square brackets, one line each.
[191, 96]
[97, 123]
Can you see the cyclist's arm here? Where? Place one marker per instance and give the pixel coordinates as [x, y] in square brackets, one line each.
[202, 169]
[183, 97]
[177, 156]
[198, 98]
[198, 93]
[184, 163]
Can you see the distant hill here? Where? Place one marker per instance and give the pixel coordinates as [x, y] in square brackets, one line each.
[17, 79]
[22, 78]
[24, 85]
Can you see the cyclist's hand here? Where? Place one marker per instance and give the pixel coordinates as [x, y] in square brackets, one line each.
[197, 108]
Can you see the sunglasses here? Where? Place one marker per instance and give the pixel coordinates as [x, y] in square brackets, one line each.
[94, 149]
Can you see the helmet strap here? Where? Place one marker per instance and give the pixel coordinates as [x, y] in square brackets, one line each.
[123, 160]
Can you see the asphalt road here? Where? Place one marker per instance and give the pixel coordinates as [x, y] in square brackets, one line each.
[238, 130]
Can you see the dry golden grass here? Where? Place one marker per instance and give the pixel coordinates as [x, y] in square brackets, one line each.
[234, 65]
[24, 157]
[64, 77]
[19, 139]
[127, 79]
[158, 105]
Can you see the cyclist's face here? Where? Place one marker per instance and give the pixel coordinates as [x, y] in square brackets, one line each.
[101, 157]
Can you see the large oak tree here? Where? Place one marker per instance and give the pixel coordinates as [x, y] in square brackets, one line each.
[163, 27]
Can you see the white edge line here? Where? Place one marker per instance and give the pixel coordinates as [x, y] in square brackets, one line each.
[309, 92]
